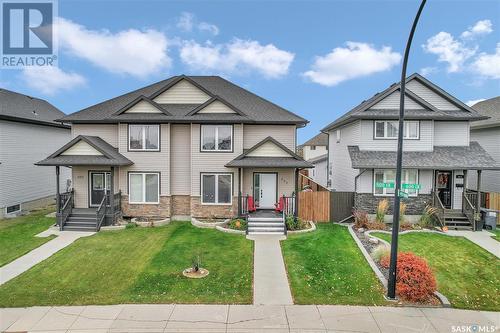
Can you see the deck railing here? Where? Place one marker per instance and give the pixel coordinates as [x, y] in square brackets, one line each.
[440, 209]
[66, 200]
[467, 207]
[101, 212]
[244, 205]
[117, 202]
[289, 205]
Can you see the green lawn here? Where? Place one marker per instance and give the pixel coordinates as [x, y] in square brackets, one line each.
[326, 267]
[468, 275]
[17, 235]
[497, 234]
[139, 265]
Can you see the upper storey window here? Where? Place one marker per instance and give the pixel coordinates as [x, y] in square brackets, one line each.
[144, 137]
[217, 138]
[389, 130]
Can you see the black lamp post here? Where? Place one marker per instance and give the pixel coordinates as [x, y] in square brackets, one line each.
[391, 288]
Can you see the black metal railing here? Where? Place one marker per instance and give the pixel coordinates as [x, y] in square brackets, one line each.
[101, 212]
[440, 209]
[117, 202]
[67, 202]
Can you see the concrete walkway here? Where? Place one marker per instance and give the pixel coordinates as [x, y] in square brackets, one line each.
[270, 286]
[244, 318]
[22, 264]
[481, 238]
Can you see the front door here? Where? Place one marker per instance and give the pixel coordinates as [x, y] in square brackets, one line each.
[265, 185]
[444, 187]
[99, 181]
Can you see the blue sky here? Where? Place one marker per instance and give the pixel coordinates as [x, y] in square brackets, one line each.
[315, 58]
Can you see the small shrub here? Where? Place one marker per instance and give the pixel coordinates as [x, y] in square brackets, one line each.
[238, 224]
[382, 207]
[427, 220]
[415, 281]
[360, 219]
[375, 225]
[130, 225]
[381, 251]
[404, 225]
[293, 223]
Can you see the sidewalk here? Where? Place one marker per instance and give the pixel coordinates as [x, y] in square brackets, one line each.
[270, 279]
[30, 259]
[243, 318]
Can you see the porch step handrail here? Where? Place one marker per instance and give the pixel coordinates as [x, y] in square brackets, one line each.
[440, 209]
[101, 212]
[468, 208]
[67, 208]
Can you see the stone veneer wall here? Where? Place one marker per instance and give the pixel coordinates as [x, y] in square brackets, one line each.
[162, 209]
[213, 211]
[414, 205]
[181, 205]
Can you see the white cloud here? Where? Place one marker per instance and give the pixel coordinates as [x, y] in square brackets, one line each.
[132, 52]
[488, 65]
[187, 22]
[474, 101]
[482, 27]
[237, 56]
[50, 80]
[428, 70]
[449, 50]
[353, 61]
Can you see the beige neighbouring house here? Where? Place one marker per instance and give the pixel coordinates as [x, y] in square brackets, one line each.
[187, 146]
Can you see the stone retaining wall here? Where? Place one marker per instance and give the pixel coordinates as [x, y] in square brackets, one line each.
[414, 205]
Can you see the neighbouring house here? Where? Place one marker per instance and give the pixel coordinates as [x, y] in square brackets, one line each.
[314, 147]
[319, 172]
[28, 132]
[438, 153]
[487, 134]
[188, 146]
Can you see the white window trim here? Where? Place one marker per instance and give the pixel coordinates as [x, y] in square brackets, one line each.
[143, 188]
[406, 123]
[144, 138]
[403, 181]
[15, 211]
[216, 138]
[216, 203]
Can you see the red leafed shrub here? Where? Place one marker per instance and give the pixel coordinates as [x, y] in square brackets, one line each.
[415, 280]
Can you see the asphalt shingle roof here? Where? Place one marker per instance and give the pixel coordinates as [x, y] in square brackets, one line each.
[319, 140]
[362, 111]
[489, 108]
[16, 106]
[318, 159]
[255, 108]
[110, 157]
[450, 157]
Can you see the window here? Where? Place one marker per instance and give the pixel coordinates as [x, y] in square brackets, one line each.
[313, 147]
[387, 177]
[216, 137]
[144, 137]
[216, 188]
[13, 208]
[144, 187]
[389, 130]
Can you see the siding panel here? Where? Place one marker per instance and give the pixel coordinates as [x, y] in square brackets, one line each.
[81, 148]
[489, 139]
[425, 143]
[216, 107]
[285, 134]
[451, 133]
[181, 159]
[392, 102]
[143, 107]
[269, 149]
[340, 171]
[108, 133]
[430, 96]
[182, 92]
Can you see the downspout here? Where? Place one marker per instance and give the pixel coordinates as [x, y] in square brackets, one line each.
[356, 180]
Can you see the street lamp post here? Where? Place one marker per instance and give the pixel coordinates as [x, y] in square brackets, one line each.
[391, 287]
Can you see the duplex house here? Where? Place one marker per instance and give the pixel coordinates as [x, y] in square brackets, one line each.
[487, 134]
[28, 132]
[438, 152]
[187, 146]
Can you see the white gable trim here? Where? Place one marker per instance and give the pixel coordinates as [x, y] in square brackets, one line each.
[183, 92]
[81, 148]
[269, 149]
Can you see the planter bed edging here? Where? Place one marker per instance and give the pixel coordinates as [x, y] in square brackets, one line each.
[442, 298]
[230, 231]
[312, 228]
[213, 225]
[150, 223]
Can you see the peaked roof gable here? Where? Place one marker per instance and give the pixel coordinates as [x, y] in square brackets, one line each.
[212, 100]
[142, 99]
[179, 80]
[268, 140]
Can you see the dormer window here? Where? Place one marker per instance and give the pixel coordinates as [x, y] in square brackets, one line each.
[144, 137]
[389, 130]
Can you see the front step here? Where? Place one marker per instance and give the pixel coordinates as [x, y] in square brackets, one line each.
[266, 225]
[80, 222]
[78, 228]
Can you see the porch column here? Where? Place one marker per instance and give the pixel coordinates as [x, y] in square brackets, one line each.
[239, 192]
[478, 190]
[58, 194]
[112, 193]
[296, 208]
[465, 181]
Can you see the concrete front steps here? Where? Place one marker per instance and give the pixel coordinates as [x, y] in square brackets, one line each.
[454, 219]
[266, 226]
[81, 222]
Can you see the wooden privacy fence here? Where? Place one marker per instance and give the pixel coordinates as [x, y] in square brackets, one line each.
[307, 181]
[325, 206]
[493, 202]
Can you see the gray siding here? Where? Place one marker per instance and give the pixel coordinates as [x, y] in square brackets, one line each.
[430, 96]
[308, 153]
[285, 134]
[108, 133]
[21, 145]
[181, 159]
[146, 161]
[341, 173]
[319, 173]
[392, 102]
[367, 141]
[489, 139]
[451, 133]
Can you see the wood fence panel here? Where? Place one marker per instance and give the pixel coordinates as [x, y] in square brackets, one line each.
[494, 203]
[341, 205]
[314, 206]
